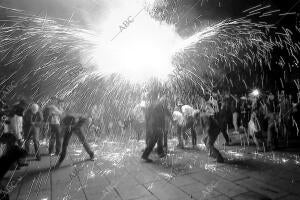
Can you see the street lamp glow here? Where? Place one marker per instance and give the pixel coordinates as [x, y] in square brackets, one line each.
[255, 93]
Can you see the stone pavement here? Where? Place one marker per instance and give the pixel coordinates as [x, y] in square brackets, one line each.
[119, 174]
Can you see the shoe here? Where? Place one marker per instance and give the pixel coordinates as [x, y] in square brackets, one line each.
[92, 156]
[147, 160]
[57, 165]
[38, 158]
[162, 155]
[22, 164]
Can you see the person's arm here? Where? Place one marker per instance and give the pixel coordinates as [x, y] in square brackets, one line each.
[56, 111]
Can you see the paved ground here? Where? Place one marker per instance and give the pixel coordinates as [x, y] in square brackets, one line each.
[119, 174]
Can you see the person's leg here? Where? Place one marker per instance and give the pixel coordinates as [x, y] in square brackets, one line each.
[27, 136]
[79, 133]
[194, 137]
[150, 145]
[165, 139]
[179, 136]
[58, 138]
[213, 152]
[36, 142]
[159, 135]
[224, 133]
[67, 136]
[270, 135]
[212, 135]
[52, 138]
[190, 125]
[235, 121]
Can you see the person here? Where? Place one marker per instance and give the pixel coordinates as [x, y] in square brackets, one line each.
[74, 124]
[185, 124]
[138, 119]
[224, 117]
[155, 116]
[207, 124]
[12, 155]
[53, 117]
[254, 130]
[179, 121]
[33, 119]
[272, 131]
[235, 110]
[15, 126]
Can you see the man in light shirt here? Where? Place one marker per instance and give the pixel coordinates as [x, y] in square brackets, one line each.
[55, 112]
[32, 123]
[185, 123]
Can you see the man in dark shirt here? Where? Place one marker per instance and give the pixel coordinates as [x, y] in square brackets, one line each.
[211, 129]
[224, 117]
[74, 124]
[156, 115]
[271, 116]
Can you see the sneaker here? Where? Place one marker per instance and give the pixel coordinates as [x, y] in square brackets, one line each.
[147, 160]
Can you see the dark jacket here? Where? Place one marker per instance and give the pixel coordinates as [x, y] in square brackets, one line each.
[33, 119]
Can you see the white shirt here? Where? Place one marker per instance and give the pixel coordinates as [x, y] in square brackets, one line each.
[178, 117]
[16, 126]
[55, 114]
[138, 112]
[187, 111]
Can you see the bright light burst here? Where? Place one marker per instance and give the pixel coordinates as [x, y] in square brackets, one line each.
[140, 52]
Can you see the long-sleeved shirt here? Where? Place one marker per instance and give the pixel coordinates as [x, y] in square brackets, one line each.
[187, 110]
[16, 126]
[32, 119]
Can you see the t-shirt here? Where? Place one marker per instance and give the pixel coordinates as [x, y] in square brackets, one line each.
[55, 114]
[178, 117]
[138, 113]
[187, 111]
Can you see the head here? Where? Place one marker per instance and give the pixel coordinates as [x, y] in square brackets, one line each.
[34, 108]
[179, 104]
[271, 96]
